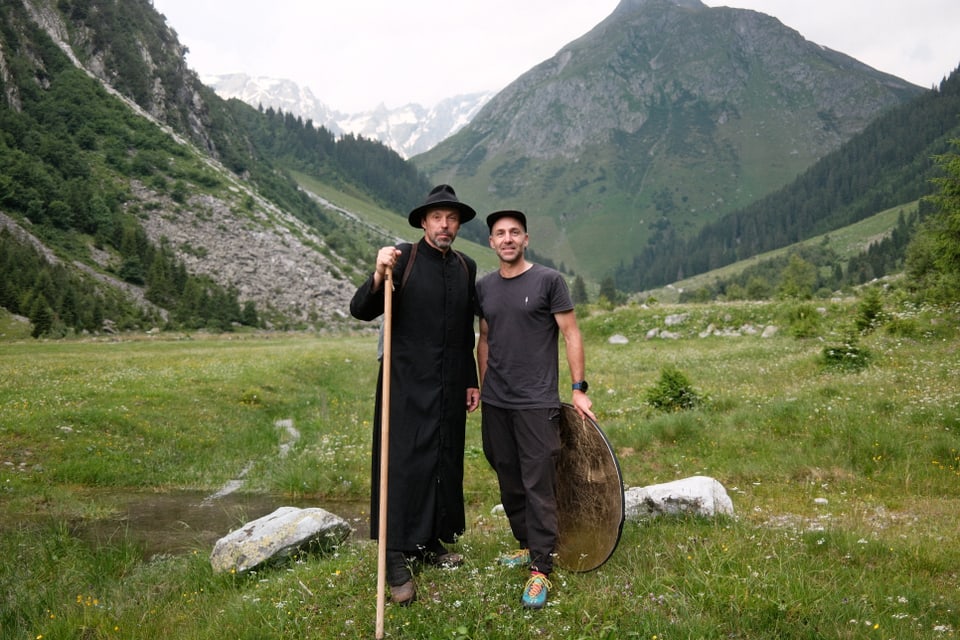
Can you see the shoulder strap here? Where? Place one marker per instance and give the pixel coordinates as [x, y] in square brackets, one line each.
[407, 268]
[463, 263]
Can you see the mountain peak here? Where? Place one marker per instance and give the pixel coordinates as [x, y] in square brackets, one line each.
[665, 116]
[633, 5]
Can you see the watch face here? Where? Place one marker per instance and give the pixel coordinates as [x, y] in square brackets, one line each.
[581, 386]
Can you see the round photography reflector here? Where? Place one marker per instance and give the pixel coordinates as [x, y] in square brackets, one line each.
[590, 503]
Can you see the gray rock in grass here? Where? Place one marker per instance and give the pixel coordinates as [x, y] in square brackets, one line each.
[277, 537]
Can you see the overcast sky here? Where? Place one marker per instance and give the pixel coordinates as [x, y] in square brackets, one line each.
[356, 54]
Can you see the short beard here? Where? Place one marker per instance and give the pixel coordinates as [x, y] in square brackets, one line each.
[442, 243]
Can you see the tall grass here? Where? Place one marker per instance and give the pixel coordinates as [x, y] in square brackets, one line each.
[845, 483]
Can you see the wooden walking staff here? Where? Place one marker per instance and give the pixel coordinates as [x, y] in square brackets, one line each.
[384, 449]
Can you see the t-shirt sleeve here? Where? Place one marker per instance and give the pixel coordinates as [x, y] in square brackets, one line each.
[560, 299]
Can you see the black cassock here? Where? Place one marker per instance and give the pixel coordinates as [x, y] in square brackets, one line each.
[432, 366]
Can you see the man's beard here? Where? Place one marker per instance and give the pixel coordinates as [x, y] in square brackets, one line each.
[442, 242]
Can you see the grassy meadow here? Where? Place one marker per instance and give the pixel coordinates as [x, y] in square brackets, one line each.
[844, 474]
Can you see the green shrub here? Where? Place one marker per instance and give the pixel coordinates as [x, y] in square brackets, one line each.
[869, 311]
[673, 391]
[802, 320]
[904, 327]
[848, 356]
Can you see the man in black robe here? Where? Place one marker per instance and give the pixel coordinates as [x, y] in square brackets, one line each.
[434, 385]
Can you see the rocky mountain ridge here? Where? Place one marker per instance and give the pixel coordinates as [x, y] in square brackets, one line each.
[409, 130]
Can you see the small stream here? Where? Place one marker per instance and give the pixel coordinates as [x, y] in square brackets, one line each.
[181, 522]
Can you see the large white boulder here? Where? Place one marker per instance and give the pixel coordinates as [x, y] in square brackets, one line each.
[697, 495]
[278, 536]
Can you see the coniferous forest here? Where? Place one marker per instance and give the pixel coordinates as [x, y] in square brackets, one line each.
[350, 159]
[889, 164]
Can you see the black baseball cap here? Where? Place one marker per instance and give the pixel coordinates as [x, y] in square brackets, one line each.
[506, 213]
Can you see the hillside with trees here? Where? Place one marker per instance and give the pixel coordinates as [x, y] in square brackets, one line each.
[890, 163]
[350, 161]
[933, 257]
[88, 167]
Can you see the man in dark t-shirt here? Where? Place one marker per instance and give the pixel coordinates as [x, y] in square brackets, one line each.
[524, 307]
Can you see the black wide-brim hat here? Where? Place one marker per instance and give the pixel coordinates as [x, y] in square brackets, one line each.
[508, 213]
[441, 197]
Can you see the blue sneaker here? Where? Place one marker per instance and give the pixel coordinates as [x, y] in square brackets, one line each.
[518, 558]
[535, 593]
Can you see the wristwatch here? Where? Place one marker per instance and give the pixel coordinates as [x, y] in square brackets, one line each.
[581, 386]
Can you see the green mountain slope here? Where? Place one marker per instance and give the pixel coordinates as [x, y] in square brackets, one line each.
[843, 245]
[384, 226]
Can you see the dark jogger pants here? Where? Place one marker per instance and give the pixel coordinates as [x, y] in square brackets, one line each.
[522, 446]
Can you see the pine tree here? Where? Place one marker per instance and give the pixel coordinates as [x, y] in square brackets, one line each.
[249, 315]
[579, 292]
[798, 279]
[41, 316]
[608, 291]
[933, 257]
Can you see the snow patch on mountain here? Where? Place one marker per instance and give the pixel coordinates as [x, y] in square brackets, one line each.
[408, 130]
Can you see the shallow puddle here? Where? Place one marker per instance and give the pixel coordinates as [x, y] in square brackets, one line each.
[183, 522]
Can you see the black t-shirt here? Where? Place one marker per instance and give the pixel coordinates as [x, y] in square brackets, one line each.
[523, 362]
